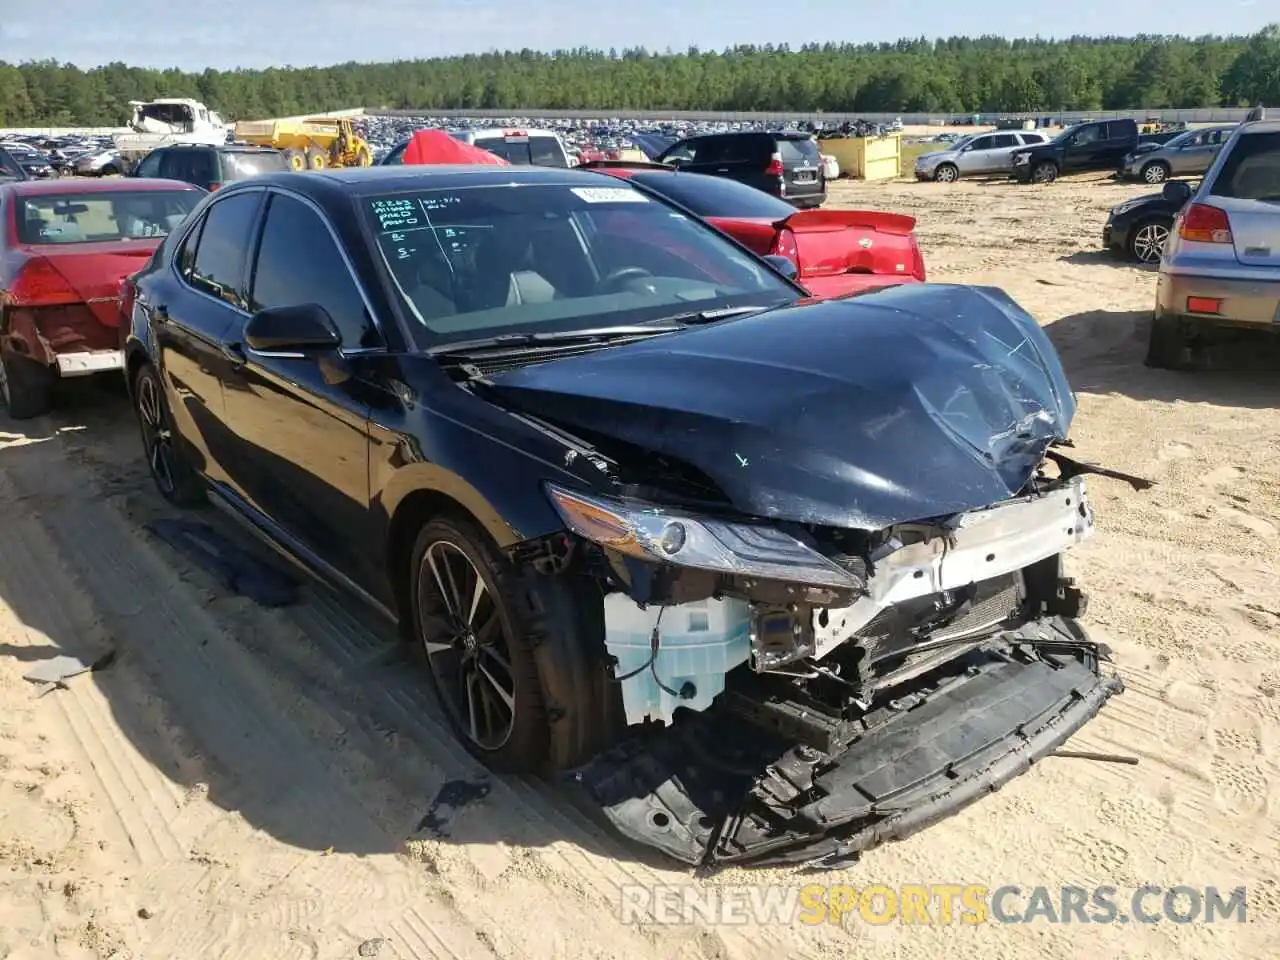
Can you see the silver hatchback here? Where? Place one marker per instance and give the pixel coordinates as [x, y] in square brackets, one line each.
[978, 155]
[1187, 155]
[1220, 272]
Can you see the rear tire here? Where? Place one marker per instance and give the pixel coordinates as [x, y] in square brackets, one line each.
[1157, 171]
[1147, 239]
[317, 159]
[1168, 348]
[175, 478]
[296, 159]
[946, 173]
[25, 386]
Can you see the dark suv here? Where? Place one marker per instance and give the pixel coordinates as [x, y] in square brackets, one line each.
[209, 166]
[785, 165]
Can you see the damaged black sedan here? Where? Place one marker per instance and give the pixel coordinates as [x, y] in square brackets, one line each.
[777, 580]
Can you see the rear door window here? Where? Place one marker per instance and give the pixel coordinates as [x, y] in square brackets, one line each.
[219, 265]
[1251, 170]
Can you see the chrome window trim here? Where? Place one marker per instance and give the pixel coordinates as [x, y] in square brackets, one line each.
[345, 352]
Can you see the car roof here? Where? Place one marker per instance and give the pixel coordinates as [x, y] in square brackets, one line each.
[237, 147]
[71, 187]
[488, 132]
[1260, 126]
[363, 181]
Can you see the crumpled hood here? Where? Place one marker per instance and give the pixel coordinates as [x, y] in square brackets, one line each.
[912, 403]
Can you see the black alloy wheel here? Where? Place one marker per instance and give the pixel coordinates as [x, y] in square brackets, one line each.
[174, 478]
[468, 623]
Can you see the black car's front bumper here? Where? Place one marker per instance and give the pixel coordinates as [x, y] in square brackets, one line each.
[1113, 237]
[718, 790]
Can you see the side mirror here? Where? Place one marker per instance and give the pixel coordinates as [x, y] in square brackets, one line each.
[1176, 191]
[784, 265]
[306, 326]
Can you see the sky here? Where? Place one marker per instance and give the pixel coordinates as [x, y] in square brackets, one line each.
[261, 33]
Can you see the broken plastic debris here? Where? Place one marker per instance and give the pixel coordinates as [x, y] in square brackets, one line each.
[55, 671]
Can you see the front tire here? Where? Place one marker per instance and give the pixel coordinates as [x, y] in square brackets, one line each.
[1157, 171]
[25, 386]
[946, 173]
[175, 478]
[469, 620]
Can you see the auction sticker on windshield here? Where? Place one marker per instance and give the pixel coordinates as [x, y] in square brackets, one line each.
[609, 195]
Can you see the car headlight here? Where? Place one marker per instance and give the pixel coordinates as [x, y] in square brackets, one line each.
[1021, 158]
[1123, 208]
[654, 533]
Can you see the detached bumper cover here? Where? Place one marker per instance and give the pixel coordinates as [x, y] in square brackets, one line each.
[716, 790]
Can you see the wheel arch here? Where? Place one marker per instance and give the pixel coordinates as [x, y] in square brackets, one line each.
[420, 491]
[583, 706]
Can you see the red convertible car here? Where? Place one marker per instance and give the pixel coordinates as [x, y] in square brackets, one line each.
[65, 248]
[836, 252]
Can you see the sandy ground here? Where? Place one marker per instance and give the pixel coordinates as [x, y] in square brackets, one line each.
[245, 783]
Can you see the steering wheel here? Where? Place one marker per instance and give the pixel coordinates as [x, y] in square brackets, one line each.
[612, 281]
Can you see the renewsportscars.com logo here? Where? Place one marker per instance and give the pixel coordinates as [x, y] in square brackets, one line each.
[936, 904]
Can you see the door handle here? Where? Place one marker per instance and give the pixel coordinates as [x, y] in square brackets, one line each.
[723, 170]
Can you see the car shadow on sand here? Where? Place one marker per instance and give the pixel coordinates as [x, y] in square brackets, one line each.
[1103, 350]
[1106, 258]
[312, 722]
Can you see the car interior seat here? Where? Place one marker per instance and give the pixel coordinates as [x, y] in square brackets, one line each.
[503, 272]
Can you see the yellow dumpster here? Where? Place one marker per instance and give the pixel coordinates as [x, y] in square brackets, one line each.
[867, 158]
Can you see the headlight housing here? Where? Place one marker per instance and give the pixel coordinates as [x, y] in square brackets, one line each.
[657, 534]
[1020, 158]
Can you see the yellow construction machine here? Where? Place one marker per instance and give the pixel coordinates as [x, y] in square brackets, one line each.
[311, 144]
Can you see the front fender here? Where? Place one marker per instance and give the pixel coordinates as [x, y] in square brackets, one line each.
[491, 463]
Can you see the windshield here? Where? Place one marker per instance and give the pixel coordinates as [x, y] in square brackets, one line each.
[535, 257]
[1251, 170]
[963, 142]
[98, 217]
[1066, 133]
[715, 196]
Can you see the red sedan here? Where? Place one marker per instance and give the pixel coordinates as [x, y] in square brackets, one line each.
[65, 248]
[837, 252]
